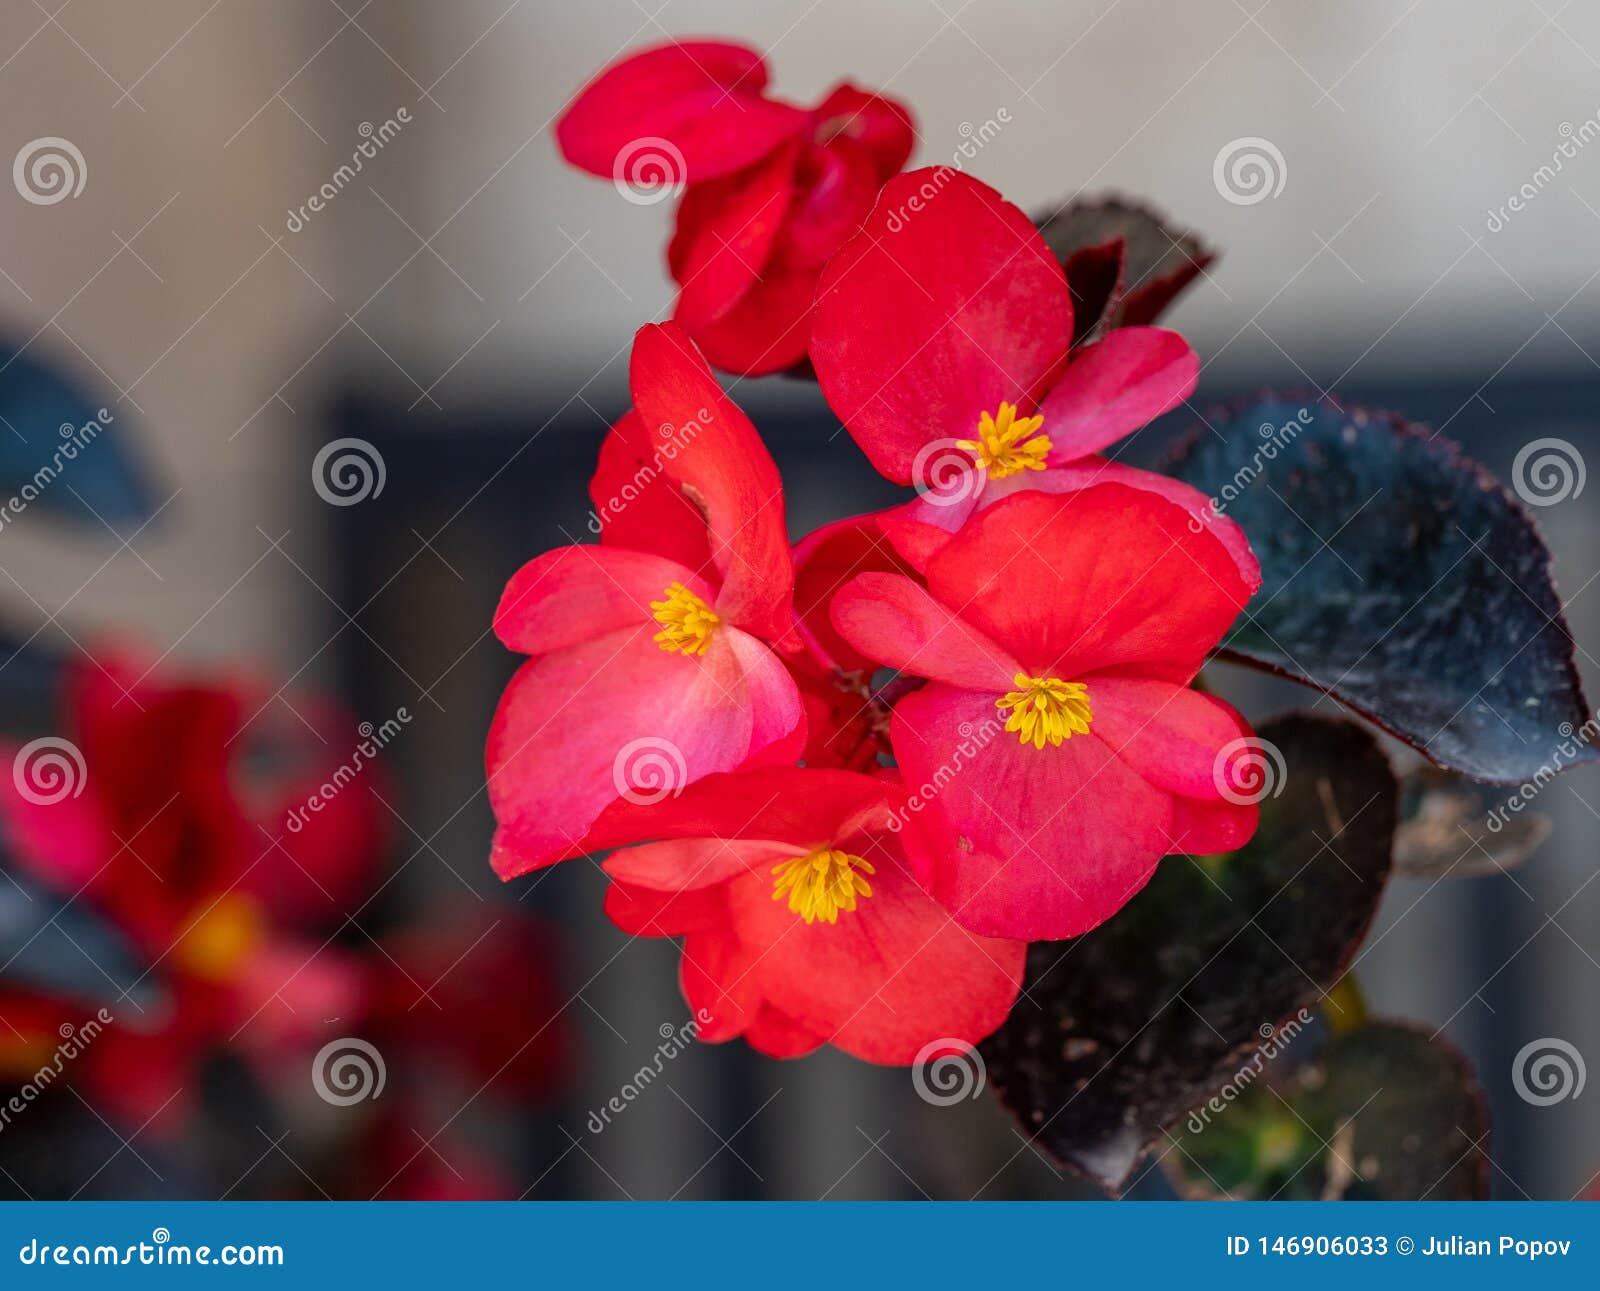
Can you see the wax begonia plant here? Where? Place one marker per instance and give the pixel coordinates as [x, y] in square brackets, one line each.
[950, 774]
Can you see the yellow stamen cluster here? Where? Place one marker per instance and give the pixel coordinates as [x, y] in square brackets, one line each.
[1046, 708]
[221, 937]
[822, 884]
[1002, 448]
[686, 621]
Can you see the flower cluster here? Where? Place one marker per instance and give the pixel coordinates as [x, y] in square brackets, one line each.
[857, 775]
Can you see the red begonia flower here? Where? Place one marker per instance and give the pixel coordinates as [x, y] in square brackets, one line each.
[647, 673]
[772, 191]
[803, 924]
[168, 837]
[1055, 752]
[940, 339]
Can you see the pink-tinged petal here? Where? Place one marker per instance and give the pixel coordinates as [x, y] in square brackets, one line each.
[1115, 386]
[777, 713]
[1089, 471]
[724, 467]
[648, 912]
[725, 235]
[1170, 735]
[616, 720]
[694, 864]
[886, 979]
[1014, 841]
[1085, 581]
[824, 561]
[637, 506]
[767, 331]
[946, 303]
[894, 620]
[779, 1036]
[1209, 828]
[675, 113]
[574, 594]
[882, 126]
[61, 844]
[718, 984]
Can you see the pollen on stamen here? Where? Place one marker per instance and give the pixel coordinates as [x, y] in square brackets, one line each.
[687, 622]
[1003, 447]
[823, 883]
[1046, 708]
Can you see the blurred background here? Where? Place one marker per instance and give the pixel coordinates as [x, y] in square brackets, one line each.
[466, 305]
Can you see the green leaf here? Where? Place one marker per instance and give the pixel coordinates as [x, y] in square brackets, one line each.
[1401, 578]
[1381, 1114]
[1122, 1031]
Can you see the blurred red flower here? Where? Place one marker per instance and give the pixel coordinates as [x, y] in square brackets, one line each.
[772, 189]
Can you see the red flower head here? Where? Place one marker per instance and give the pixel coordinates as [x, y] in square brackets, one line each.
[167, 837]
[1055, 752]
[941, 339]
[648, 667]
[803, 924]
[772, 190]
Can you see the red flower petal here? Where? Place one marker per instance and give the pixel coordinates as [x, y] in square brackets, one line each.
[725, 235]
[835, 187]
[894, 620]
[1015, 841]
[1116, 386]
[574, 594]
[887, 978]
[946, 303]
[716, 980]
[646, 912]
[779, 1036]
[767, 331]
[1169, 735]
[1208, 828]
[618, 720]
[702, 100]
[1091, 580]
[723, 466]
[636, 505]
[882, 126]
[824, 561]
